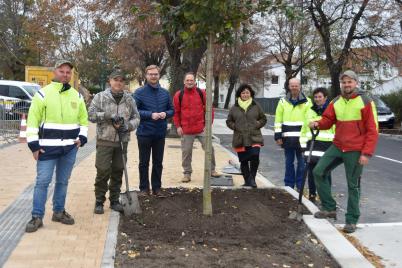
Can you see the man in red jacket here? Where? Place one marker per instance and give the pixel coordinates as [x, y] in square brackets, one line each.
[189, 118]
[356, 135]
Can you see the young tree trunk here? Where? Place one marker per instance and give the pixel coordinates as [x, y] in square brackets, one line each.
[207, 202]
[216, 91]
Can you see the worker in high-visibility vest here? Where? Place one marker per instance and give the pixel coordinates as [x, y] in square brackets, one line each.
[323, 140]
[289, 119]
[355, 116]
[57, 126]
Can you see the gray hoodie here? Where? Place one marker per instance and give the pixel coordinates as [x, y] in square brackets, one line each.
[104, 107]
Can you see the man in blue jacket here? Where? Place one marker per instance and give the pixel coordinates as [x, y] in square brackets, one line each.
[155, 106]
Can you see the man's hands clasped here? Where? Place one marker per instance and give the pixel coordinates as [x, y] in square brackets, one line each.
[157, 116]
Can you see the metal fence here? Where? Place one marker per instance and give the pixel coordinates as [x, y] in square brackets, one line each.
[268, 104]
[11, 113]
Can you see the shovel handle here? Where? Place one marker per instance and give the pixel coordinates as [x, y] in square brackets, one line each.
[125, 167]
[314, 133]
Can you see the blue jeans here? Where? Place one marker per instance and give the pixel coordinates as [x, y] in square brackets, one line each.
[294, 178]
[64, 165]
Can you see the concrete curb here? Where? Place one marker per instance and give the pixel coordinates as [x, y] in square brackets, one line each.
[345, 254]
[109, 250]
[399, 137]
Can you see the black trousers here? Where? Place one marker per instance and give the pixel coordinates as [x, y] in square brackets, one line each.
[146, 146]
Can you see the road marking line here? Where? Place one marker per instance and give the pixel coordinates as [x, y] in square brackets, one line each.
[390, 159]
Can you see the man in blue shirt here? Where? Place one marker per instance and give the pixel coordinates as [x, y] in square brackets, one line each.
[155, 107]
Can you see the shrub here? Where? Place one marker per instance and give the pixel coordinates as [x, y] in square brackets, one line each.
[394, 102]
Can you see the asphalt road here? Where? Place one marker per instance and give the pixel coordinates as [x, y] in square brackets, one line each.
[381, 185]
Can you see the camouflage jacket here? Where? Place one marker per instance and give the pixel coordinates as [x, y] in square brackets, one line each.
[103, 107]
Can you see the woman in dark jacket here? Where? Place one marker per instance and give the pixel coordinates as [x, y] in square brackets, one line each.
[246, 118]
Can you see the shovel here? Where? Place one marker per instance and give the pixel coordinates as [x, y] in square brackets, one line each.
[128, 199]
[298, 215]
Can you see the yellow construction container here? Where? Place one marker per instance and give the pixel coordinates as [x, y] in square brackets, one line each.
[44, 75]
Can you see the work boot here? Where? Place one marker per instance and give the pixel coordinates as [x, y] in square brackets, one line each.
[98, 208]
[116, 206]
[312, 198]
[158, 193]
[325, 214]
[349, 228]
[144, 193]
[33, 225]
[63, 217]
[215, 174]
[186, 178]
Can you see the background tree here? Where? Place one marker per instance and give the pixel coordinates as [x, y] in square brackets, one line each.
[344, 23]
[96, 57]
[286, 36]
[13, 48]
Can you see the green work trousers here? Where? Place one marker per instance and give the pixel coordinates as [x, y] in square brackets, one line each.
[332, 158]
[109, 172]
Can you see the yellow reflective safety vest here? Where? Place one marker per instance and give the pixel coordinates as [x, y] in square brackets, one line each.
[324, 138]
[289, 119]
[56, 119]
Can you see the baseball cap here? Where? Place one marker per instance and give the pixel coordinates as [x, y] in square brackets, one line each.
[351, 74]
[117, 73]
[62, 62]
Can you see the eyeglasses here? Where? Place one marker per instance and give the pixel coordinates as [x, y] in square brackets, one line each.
[155, 74]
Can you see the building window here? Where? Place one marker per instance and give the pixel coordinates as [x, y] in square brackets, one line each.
[275, 80]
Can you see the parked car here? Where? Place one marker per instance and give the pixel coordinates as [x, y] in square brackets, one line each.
[16, 96]
[386, 118]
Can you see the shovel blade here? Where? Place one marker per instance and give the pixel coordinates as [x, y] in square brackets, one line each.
[130, 203]
[293, 215]
[297, 215]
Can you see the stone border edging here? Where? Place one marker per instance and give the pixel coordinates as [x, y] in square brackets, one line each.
[399, 137]
[344, 253]
[109, 250]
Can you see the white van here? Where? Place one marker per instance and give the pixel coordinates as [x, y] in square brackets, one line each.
[16, 95]
[17, 90]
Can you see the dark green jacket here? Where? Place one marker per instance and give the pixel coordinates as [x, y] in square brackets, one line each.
[246, 125]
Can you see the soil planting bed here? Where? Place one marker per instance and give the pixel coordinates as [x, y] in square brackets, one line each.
[249, 228]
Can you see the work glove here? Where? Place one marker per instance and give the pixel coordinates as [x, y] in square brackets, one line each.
[109, 116]
[123, 128]
[117, 120]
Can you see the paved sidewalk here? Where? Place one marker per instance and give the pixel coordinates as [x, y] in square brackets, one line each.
[385, 239]
[81, 245]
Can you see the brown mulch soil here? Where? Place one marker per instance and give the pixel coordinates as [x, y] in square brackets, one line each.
[249, 228]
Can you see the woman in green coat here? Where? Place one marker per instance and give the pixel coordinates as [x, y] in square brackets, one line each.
[246, 118]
